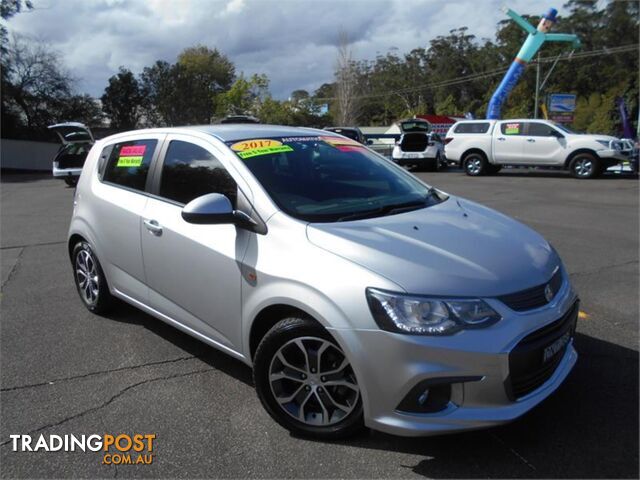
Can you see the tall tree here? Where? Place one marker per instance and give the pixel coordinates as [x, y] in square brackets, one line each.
[346, 101]
[37, 85]
[122, 100]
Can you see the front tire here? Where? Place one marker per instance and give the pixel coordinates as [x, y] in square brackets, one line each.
[90, 280]
[584, 166]
[305, 381]
[475, 164]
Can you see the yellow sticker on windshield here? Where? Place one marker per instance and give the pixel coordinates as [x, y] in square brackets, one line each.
[259, 146]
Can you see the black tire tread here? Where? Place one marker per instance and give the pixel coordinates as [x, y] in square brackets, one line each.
[271, 341]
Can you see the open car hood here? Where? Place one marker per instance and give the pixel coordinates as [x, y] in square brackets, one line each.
[72, 132]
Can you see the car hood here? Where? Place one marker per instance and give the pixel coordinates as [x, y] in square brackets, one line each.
[455, 248]
[587, 136]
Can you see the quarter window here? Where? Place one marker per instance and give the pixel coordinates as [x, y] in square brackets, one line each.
[189, 171]
[129, 162]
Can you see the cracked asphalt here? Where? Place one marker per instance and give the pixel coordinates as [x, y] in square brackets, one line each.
[65, 371]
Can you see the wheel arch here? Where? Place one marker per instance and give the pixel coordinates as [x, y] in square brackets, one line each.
[73, 240]
[468, 152]
[268, 317]
[573, 154]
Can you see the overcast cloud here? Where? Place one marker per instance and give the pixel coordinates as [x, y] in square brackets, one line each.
[292, 41]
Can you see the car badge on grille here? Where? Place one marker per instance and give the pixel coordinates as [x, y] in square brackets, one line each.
[548, 292]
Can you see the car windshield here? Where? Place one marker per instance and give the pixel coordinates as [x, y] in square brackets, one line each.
[330, 179]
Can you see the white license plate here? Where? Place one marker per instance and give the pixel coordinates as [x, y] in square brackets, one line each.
[556, 347]
[411, 155]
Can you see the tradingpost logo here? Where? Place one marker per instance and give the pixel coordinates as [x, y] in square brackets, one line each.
[121, 449]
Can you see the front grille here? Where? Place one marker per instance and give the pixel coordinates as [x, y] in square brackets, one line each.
[527, 369]
[533, 297]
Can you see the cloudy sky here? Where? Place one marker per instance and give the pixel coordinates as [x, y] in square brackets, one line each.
[292, 41]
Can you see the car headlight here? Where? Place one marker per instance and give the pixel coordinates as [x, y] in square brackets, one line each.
[604, 143]
[401, 313]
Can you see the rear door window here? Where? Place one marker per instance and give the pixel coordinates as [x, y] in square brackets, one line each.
[129, 162]
[190, 171]
[512, 128]
[476, 127]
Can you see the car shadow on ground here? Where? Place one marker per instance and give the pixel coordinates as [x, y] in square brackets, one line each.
[586, 429]
[126, 313]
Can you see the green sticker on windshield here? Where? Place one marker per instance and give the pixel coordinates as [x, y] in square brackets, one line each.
[254, 152]
[127, 162]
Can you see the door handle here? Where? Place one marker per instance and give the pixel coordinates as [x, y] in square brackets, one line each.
[502, 139]
[531, 140]
[154, 227]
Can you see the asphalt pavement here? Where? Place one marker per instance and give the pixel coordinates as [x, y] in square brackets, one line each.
[66, 371]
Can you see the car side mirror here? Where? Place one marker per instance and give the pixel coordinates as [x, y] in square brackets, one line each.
[215, 209]
[557, 134]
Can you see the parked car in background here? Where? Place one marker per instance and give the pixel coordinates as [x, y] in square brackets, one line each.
[239, 119]
[354, 133]
[77, 140]
[485, 146]
[419, 147]
[360, 295]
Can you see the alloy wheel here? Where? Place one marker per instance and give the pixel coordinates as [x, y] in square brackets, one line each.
[474, 165]
[583, 167]
[312, 381]
[87, 276]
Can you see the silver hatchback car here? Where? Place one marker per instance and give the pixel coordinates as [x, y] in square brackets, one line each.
[359, 295]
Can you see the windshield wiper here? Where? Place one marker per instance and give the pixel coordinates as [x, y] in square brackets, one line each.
[385, 210]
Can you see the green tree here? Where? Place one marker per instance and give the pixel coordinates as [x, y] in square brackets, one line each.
[245, 96]
[122, 100]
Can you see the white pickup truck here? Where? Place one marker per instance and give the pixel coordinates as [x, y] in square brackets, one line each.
[485, 146]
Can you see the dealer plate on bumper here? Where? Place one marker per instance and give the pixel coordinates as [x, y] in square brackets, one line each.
[551, 350]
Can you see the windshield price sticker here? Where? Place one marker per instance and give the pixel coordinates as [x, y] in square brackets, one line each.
[131, 156]
[263, 146]
[512, 129]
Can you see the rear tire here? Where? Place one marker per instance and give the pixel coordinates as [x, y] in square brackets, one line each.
[90, 280]
[305, 381]
[475, 164]
[585, 166]
[71, 181]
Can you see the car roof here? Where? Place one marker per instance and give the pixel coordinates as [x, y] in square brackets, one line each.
[238, 131]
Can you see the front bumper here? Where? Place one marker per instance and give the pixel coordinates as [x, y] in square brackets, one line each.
[476, 362]
[65, 172]
[614, 156]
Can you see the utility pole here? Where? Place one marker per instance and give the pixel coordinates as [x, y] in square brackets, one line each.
[535, 107]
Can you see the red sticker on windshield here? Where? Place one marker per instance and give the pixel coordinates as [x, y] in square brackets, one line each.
[132, 150]
[350, 148]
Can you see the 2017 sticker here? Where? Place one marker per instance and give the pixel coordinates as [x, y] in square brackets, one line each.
[259, 146]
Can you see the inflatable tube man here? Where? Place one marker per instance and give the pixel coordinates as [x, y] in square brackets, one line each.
[532, 44]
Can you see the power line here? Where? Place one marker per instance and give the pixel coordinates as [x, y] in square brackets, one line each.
[493, 73]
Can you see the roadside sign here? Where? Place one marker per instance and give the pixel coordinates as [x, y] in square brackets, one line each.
[562, 102]
[561, 117]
